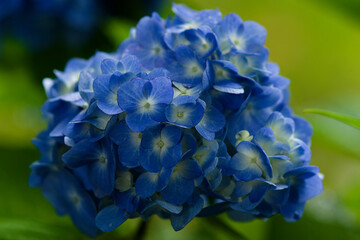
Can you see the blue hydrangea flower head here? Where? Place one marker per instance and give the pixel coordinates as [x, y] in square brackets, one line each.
[188, 118]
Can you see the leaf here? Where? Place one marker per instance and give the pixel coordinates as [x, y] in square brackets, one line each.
[354, 122]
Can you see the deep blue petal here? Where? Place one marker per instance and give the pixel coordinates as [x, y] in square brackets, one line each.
[82, 153]
[179, 221]
[178, 190]
[110, 218]
[146, 184]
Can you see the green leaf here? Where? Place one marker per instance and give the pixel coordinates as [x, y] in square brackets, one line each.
[354, 122]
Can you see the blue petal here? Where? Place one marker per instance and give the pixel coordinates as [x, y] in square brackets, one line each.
[150, 160]
[212, 122]
[130, 94]
[95, 116]
[269, 96]
[178, 190]
[254, 35]
[229, 31]
[231, 24]
[179, 221]
[169, 207]
[174, 39]
[82, 153]
[108, 66]
[282, 127]
[188, 169]
[68, 196]
[162, 90]
[202, 41]
[128, 200]
[205, 156]
[226, 78]
[303, 129]
[292, 211]
[251, 162]
[146, 184]
[150, 134]
[267, 140]
[158, 206]
[130, 64]
[185, 114]
[189, 69]
[204, 17]
[102, 176]
[214, 178]
[300, 153]
[128, 142]
[159, 72]
[138, 121]
[85, 85]
[149, 32]
[164, 177]
[306, 184]
[189, 145]
[171, 135]
[110, 218]
[170, 156]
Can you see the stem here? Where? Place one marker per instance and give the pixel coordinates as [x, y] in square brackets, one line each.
[219, 223]
[141, 232]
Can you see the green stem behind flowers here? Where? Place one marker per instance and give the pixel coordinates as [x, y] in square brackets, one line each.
[141, 232]
[354, 122]
[219, 223]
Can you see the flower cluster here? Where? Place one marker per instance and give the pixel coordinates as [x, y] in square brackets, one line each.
[188, 118]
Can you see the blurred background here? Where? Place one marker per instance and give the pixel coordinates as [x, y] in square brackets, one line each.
[315, 42]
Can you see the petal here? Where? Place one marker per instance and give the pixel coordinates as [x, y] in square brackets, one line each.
[254, 35]
[130, 94]
[185, 115]
[188, 169]
[171, 135]
[130, 64]
[149, 32]
[108, 66]
[189, 69]
[107, 97]
[206, 158]
[146, 184]
[82, 153]
[150, 160]
[162, 91]
[179, 221]
[212, 122]
[170, 156]
[138, 121]
[178, 190]
[250, 173]
[150, 135]
[102, 176]
[110, 218]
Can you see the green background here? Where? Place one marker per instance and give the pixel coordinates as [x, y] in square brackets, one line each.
[317, 45]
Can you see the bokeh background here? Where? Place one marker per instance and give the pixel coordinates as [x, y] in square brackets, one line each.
[315, 42]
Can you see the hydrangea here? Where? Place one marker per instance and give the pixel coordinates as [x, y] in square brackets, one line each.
[188, 118]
